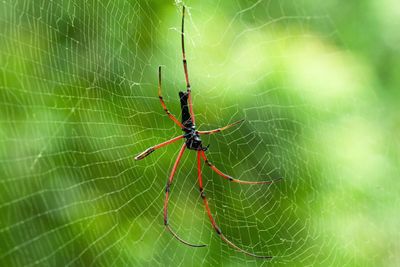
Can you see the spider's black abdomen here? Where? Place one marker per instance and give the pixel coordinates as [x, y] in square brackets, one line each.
[186, 118]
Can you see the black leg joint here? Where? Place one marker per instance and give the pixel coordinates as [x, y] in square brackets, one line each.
[205, 148]
[202, 194]
[218, 230]
[167, 187]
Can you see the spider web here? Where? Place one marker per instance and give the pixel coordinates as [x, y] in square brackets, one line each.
[79, 100]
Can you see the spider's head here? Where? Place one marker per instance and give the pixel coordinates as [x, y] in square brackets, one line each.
[193, 140]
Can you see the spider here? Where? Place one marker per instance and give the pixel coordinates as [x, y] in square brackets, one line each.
[193, 142]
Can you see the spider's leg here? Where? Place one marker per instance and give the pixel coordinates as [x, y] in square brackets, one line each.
[153, 148]
[221, 128]
[167, 190]
[230, 178]
[214, 224]
[185, 68]
[172, 117]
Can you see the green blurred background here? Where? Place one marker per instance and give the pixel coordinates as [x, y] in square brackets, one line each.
[317, 82]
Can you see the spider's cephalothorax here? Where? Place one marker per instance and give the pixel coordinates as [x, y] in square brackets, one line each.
[193, 140]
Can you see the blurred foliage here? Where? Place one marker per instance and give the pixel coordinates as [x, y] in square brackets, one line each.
[317, 83]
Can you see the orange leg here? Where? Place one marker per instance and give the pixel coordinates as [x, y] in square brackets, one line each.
[153, 148]
[167, 190]
[220, 129]
[212, 220]
[230, 178]
[172, 117]
[185, 68]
